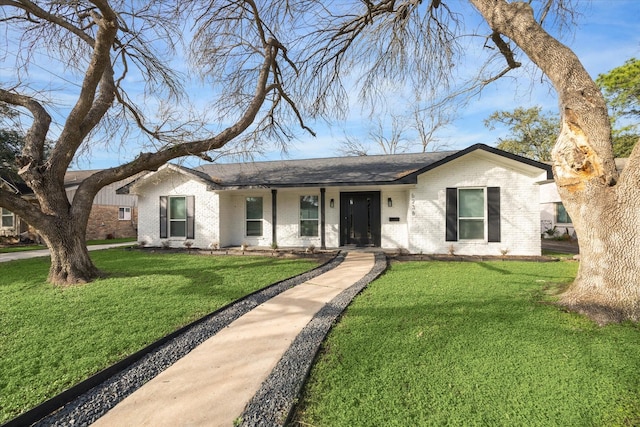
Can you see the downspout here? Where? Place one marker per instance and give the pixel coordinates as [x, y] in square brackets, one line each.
[322, 219]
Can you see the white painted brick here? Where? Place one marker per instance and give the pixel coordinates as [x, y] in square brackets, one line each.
[220, 215]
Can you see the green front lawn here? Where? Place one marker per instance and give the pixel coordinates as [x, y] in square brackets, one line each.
[52, 338]
[472, 344]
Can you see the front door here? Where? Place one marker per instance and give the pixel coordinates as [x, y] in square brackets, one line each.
[360, 219]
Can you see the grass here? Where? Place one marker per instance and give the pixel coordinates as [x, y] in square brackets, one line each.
[33, 247]
[473, 344]
[21, 248]
[52, 338]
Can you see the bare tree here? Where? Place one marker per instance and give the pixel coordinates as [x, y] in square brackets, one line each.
[411, 132]
[352, 146]
[427, 122]
[416, 42]
[103, 44]
[381, 139]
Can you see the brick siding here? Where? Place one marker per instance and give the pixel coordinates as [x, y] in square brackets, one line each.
[104, 223]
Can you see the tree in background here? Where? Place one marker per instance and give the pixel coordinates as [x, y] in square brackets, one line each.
[621, 88]
[11, 141]
[623, 141]
[408, 133]
[532, 133]
[381, 139]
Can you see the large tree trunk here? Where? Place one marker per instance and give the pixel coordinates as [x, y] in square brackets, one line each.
[70, 260]
[607, 221]
[603, 205]
[607, 285]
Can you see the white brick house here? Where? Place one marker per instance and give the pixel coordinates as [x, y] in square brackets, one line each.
[477, 201]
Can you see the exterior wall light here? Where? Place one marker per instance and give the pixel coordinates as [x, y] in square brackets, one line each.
[389, 202]
[331, 203]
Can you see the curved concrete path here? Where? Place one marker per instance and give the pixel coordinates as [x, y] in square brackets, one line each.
[213, 383]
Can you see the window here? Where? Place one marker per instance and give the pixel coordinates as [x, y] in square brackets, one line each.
[177, 216]
[7, 218]
[309, 216]
[473, 214]
[254, 216]
[124, 214]
[562, 216]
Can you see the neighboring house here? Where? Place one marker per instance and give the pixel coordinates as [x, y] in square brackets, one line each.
[553, 215]
[480, 201]
[11, 225]
[112, 215]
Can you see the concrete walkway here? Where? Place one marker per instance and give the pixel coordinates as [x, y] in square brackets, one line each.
[12, 256]
[214, 382]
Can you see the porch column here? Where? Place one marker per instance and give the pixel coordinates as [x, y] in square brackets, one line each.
[274, 216]
[322, 221]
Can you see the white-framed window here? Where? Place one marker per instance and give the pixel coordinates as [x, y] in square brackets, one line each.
[8, 219]
[309, 216]
[562, 217]
[471, 214]
[124, 213]
[177, 216]
[253, 215]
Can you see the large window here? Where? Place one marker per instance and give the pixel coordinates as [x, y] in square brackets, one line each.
[177, 217]
[471, 213]
[309, 216]
[562, 216]
[7, 218]
[254, 216]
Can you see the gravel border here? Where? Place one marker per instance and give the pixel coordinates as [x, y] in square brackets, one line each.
[274, 403]
[84, 408]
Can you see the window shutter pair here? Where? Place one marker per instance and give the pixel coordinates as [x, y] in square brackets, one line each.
[493, 214]
[164, 217]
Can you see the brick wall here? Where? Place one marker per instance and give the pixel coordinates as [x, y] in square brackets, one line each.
[104, 222]
[519, 207]
[419, 210]
[171, 183]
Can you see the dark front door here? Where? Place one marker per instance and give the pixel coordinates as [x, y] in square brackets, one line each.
[360, 219]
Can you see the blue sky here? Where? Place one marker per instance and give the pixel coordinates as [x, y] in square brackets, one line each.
[607, 35]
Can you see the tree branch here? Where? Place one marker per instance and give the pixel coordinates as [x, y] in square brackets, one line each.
[151, 161]
[33, 151]
[76, 128]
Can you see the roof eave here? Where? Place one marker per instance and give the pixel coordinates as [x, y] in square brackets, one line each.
[485, 148]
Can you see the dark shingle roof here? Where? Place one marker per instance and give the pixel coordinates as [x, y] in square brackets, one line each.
[325, 171]
[335, 171]
[384, 169]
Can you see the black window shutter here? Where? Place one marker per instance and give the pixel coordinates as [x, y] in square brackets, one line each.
[452, 215]
[493, 208]
[163, 217]
[191, 229]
